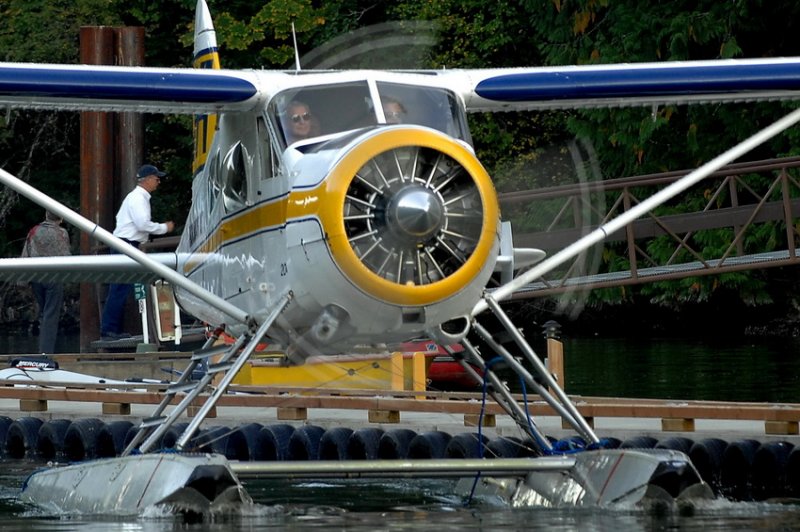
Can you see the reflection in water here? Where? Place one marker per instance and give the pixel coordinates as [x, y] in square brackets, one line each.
[762, 370]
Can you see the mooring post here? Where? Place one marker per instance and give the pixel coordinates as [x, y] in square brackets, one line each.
[555, 352]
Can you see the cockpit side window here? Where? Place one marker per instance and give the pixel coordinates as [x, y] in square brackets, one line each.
[311, 112]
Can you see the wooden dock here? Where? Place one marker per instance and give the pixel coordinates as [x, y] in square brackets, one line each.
[381, 406]
[389, 407]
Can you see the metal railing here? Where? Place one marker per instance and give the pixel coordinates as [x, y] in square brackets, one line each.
[737, 201]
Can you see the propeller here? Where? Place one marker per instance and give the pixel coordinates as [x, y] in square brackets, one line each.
[413, 215]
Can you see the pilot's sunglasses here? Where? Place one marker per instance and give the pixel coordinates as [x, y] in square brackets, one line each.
[394, 114]
[305, 117]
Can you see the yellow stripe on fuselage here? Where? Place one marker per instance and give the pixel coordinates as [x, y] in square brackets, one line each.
[262, 217]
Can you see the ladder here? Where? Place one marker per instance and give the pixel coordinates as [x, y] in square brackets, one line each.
[232, 358]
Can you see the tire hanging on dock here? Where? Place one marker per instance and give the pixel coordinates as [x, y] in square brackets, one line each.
[50, 440]
[706, 455]
[363, 444]
[768, 477]
[676, 443]
[793, 473]
[466, 445]
[211, 440]
[504, 447]
[639, 442]
[80, 441]
[430, 444]
[333, 444]
[22, 438]
[737, 463]
[304, 443]
[5, 422]
[111, 439]
[170, 437]
[394, 444]
[242, 442]
[272, 443]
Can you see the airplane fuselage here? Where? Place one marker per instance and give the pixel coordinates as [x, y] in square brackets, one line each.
[379, 228]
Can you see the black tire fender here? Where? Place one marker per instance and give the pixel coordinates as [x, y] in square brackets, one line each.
[706, 455]
[50, 441]
[735, 470]
[80, 442]
[466, 445]
[304, 443]
[363, 443]
[272, 442]
[170, 437]
[211, 440]
[333, 444]
[394, 444]
[793, 473]
[242, 442]
[430, 444]
[768, 477]
[639, 442]
[5, 422]
[677, 443]
[504, 447]
[22, 437]
[111, 439]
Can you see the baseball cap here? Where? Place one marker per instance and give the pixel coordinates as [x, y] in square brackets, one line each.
[148, 170]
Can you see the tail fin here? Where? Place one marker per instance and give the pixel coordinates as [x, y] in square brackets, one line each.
[206, 55]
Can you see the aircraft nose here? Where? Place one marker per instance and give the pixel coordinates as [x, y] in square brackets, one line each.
[416, 212]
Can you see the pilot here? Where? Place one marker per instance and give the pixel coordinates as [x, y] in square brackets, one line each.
[301, 120]
[394, 111]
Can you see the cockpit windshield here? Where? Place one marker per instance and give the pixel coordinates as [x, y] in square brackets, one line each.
[318, 111]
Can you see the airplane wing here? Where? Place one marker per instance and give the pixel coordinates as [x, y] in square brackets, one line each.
[83, 269]
[197, 91]
[626, 85]
[134, 89]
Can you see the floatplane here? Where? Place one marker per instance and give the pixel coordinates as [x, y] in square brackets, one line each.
[369, 231]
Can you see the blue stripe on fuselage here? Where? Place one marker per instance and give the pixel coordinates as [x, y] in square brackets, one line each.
[565, 85]
[123, 85]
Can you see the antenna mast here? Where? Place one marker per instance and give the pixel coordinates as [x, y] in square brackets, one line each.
[296, 53]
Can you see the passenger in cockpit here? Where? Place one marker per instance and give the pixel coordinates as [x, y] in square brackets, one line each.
[394, 111]
[300, 121]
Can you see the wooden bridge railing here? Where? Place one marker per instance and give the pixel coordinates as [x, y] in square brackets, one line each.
[736, 199]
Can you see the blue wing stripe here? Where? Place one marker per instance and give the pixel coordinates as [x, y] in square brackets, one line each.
[631, 82]
[91, 84]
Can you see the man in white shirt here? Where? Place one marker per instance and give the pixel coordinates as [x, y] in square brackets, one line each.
[134, 226]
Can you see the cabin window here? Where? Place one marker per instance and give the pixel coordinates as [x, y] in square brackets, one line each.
[311, 112]
[213, 172]
[234, 178]
[426, 106]
[268, 162]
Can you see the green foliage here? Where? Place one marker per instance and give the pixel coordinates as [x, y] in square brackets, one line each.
[521, 150]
